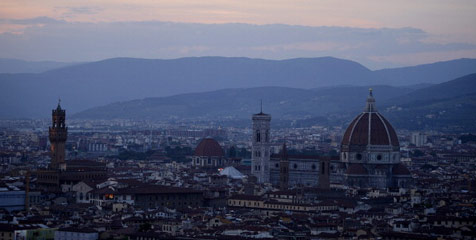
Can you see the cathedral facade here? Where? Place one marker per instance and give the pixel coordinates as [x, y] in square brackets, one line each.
[283, 170]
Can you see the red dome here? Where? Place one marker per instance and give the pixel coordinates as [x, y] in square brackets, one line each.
[208, 147]
[370, 128]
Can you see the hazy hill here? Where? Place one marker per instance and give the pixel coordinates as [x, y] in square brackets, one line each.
[8, 65]
[446, 106]
[458, 87]
[281, 102]
[449, 105]
[93, 84]
[427, 73]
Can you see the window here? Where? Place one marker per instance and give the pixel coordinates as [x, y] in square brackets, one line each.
[323, 168]
[358, 156]
[258, 136]
[295, 166]
[313, 167]
[379, 157]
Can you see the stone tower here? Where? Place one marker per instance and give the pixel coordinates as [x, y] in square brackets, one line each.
[284, 169]
[58, 133]
[261, 147]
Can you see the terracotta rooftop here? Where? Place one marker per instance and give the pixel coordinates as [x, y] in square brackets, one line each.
[209, 147]
[370, 128]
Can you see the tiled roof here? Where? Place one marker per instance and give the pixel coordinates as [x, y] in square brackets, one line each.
[210, 148]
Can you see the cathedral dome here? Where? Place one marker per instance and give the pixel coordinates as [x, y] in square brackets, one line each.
[209, 147]
[370, 128]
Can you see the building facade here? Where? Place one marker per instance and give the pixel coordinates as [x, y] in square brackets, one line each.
[299, 170]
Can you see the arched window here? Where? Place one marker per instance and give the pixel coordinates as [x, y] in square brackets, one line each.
[267, 135]
[323, 168]
[258, 136]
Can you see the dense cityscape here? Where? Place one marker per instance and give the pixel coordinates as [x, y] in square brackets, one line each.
[233, 120]
[126, 179]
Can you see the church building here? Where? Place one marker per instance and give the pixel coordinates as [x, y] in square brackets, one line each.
[370, 152]
[283, 170]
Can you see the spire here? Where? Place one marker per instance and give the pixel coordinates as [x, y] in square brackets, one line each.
[370, 105]
[261, 109]
[59, 106]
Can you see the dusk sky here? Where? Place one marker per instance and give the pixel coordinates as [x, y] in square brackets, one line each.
[375, 33]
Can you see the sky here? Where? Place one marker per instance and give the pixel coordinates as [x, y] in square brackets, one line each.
[376, 33]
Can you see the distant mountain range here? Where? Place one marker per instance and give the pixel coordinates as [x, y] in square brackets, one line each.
[8, 65]
[442, 106]
[83, 86]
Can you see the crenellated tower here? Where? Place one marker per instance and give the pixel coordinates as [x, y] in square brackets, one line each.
[58, 133]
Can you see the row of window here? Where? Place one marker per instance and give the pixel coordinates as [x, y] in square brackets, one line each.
[295, 166]
[273, 206]
[258, 154]
[258, 136]
[209, 161]
[359, 156]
